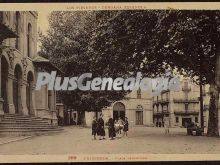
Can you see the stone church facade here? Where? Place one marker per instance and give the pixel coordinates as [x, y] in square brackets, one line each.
[19, 67]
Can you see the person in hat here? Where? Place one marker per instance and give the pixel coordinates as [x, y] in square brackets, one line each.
[111, 128]
[101, 128]
[125, 129]
[94, 127]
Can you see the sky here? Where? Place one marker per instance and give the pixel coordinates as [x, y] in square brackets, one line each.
[42, 22]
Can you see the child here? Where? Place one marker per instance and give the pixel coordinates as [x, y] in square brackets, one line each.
[94, 127]
[121, 124]
[116, 125]
[125, 129]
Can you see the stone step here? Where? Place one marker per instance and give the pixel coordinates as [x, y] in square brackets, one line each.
[21, 116]
[29, 132]
[24, 124]
[18, 115]
[12, 116]
[26, 131]
[28, 128]
[20, 120]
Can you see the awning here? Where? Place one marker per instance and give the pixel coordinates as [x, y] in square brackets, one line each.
[6, 32]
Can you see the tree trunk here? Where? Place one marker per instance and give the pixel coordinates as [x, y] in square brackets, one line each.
[84, 119]
[201, 92]
[213, 129]
[201, 107]
[217, 69]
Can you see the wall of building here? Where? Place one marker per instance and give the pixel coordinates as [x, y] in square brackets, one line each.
[19, 58]
[132, 104]
[179, 105]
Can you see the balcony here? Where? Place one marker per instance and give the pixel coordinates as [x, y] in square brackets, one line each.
[186, 112]
[186, 88]
[185, 100]
[158, 113]
[166, 100]
[161, 101]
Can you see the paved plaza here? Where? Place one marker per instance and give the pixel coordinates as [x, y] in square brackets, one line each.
[76, 140]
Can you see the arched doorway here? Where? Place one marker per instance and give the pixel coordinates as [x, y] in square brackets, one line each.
[119, 111]
[29, 88]
[17, 88]
[4, 82]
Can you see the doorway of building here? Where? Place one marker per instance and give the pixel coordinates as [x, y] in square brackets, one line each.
[29, 89]
[186, 121]
[139, 117]
[17, 88]
[4, 82]
[119, 111]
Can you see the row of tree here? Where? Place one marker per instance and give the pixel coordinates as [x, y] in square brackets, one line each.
[121, 43]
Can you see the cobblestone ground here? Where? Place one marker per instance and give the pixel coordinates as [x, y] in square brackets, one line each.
[75, 140]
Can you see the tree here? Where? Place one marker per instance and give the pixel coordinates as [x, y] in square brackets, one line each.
[121, 43]
[192, 45]
[66, 44]
[153, 41]
[106, 43]
[125, 38]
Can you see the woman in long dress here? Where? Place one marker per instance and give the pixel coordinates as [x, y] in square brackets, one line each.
[125, 129]
[101, 128]
[111, 128]
[94, 127]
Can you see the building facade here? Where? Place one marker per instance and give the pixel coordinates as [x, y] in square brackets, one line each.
[19, 67]
[181, 106]
[137, 107]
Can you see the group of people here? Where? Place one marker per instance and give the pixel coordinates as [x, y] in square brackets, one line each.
[115, 127]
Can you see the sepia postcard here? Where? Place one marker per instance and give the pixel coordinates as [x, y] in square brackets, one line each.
[109, 82]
